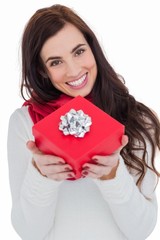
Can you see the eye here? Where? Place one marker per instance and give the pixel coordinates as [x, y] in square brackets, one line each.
[79, 51]
[55, 63]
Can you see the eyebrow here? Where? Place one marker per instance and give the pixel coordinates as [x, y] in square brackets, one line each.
[72, 51]
[76, 47]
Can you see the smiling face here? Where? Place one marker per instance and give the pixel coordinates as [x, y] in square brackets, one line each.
[69, 61]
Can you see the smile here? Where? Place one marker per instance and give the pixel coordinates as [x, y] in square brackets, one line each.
[79, 82]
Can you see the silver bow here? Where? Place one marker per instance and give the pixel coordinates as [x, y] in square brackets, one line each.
[75, 123]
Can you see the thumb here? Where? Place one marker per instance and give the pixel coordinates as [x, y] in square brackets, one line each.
[124, 140]
[32, 147]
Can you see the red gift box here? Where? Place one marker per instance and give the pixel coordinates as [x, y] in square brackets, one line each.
[103, 138]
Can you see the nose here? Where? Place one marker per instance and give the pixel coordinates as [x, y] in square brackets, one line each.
[73, 68]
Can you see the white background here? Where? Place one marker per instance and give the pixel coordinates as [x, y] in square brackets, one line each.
[129, 32]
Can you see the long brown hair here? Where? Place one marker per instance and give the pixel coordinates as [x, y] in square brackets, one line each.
[109, 92]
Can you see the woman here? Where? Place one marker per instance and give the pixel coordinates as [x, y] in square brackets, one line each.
[115, 199]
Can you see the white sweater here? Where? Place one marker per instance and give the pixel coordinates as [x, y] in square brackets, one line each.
[84, 209]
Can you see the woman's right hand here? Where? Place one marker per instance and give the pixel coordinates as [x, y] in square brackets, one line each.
[50, 166]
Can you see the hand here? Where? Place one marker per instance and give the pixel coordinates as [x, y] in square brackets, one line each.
[105, 167]
[50, 166]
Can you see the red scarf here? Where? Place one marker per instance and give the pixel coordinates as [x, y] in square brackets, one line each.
[38, 111]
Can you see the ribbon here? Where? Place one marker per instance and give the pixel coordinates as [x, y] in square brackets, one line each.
[75, 123]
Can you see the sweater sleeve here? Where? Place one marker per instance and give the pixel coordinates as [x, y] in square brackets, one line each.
[33, 196]
[134, 210]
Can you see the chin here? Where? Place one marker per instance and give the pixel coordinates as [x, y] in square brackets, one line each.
[82, 94]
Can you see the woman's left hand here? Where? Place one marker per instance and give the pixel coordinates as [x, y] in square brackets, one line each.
[105, 167]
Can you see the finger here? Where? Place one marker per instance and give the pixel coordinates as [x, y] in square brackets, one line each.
[46, 160]
[99, 170]
[62, 176]
[124, 140]
[89, 174]
[106, 160]
[95, 175]
[54, 169]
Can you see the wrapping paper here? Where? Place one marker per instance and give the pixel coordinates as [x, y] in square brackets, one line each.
[102, 138]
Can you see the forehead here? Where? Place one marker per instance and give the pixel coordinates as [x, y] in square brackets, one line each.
[65, 40]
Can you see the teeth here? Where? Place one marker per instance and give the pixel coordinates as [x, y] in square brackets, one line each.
[77, 82]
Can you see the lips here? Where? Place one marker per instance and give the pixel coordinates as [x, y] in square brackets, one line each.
[79, 82]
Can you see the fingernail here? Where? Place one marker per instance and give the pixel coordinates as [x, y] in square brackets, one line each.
[67, 169]
[83, 176]
[60, 162]
[70, 175]
[85, 173]
[86, 168]
[94, 160]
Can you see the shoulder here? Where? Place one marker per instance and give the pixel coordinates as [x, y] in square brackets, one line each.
[20, 122]
[21, 114]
